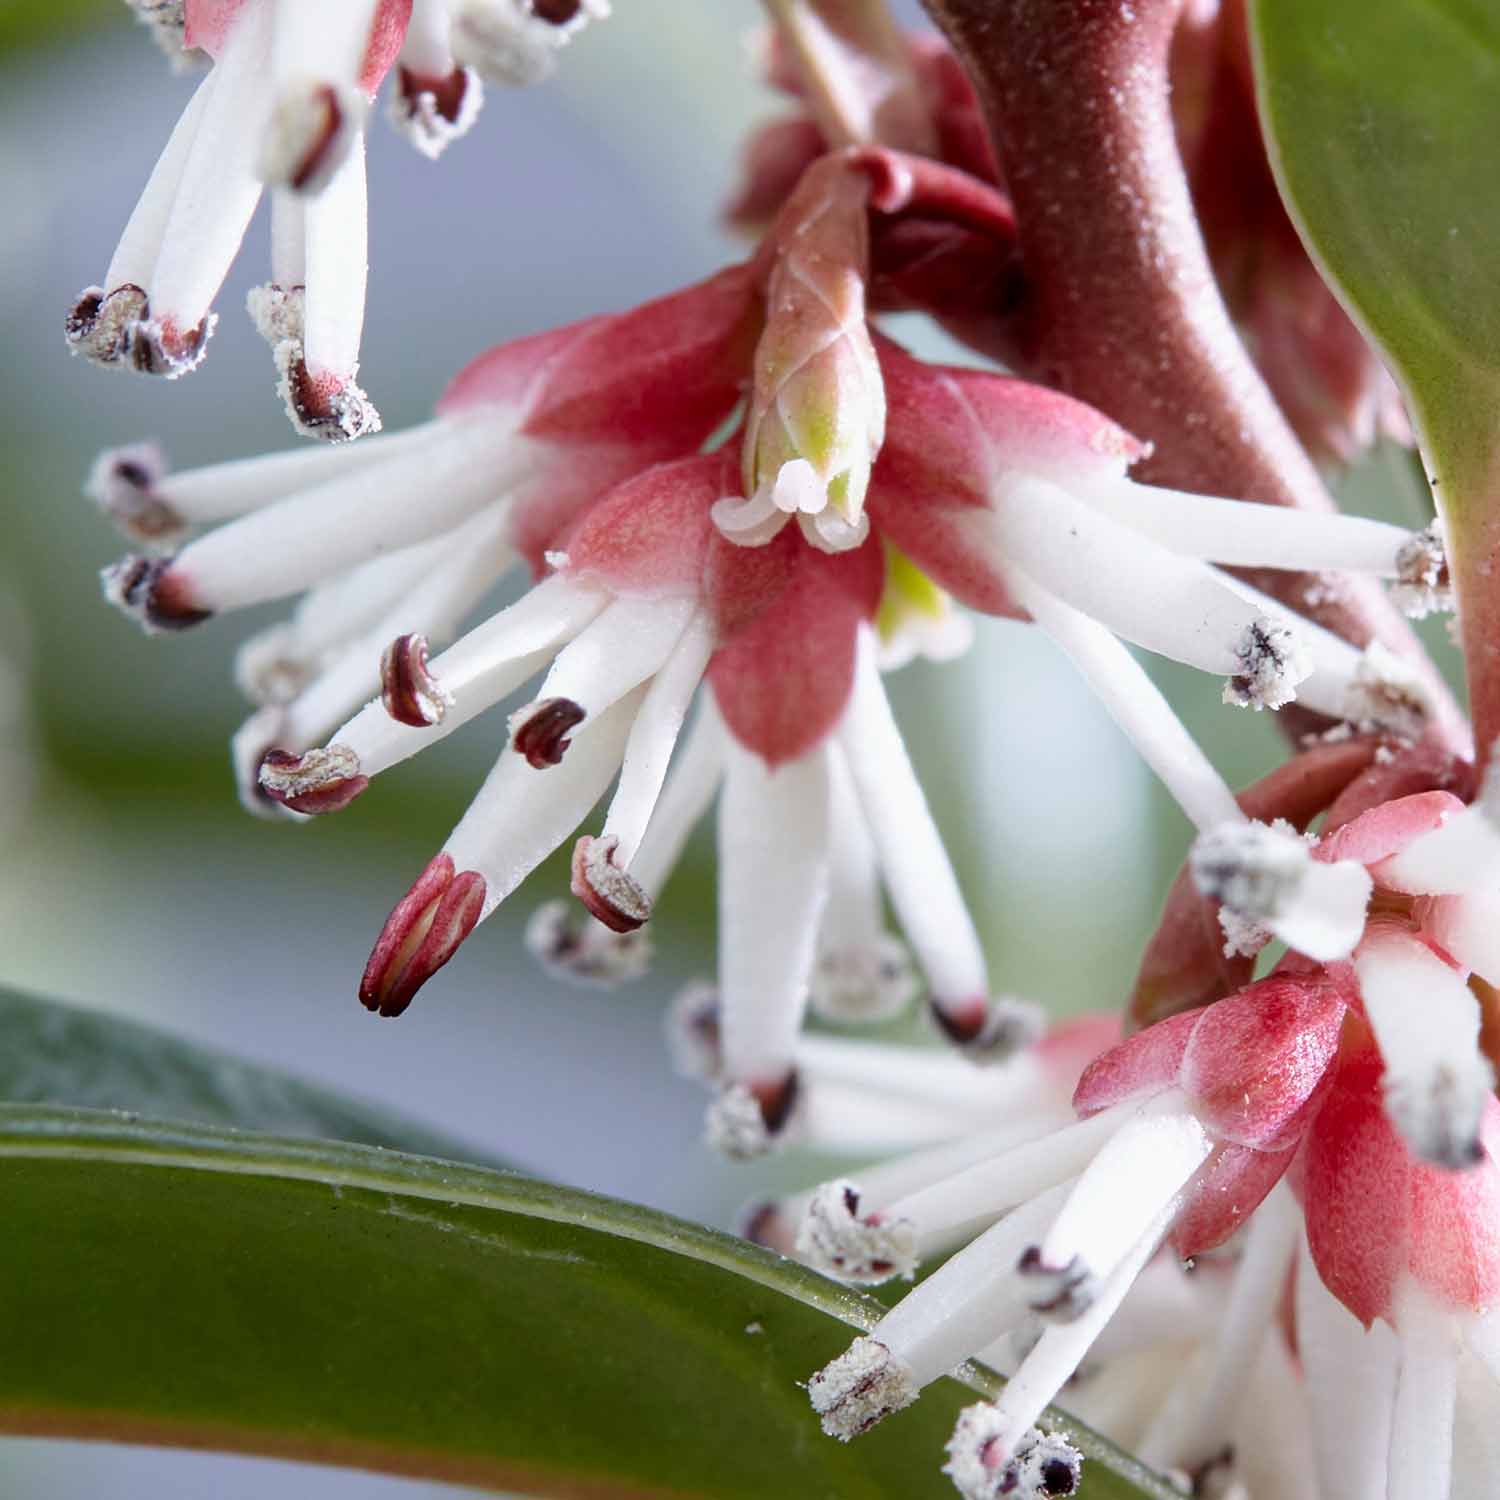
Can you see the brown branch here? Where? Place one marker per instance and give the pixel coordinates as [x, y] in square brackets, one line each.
[1121, 307]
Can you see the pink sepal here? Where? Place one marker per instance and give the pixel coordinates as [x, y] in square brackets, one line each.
[1424, 767]
[1385, 830]
[661, 376]
[788, 615]
[387, 32]
[207, 23]
[1144, 1064]
[1375, 1214]
[650, 534]
[1224, 1194]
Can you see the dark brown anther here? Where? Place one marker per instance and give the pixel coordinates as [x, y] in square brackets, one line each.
[317, 781]
[421, 935]
[610, 894]
[146, 589]
[107, 327]
[763, 1223]
[323, 405]
[315, 162]
[556, 12]
[1069, 1289]
[445, 93]
[542, 736]
[962, 1024]
[777, 1101]
[411, 694]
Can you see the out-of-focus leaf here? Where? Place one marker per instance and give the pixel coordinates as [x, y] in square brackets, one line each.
[29, 23]
[52, 1053]
[205, 1287]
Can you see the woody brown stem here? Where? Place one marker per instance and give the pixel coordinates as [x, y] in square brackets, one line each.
[1120, 305]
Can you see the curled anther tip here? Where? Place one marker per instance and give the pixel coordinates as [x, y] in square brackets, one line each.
[324, 406]
[694, 1035]
[410, 692]
[322, 780]
[1042, 1465]
[571, 945]
[1060, 1293]
[1271, 660]
[611, 894]
[865, 1250]
[865, 1384]
[858, 984]
[1423, 583]
[990, 1031]
[115, 328]
[747, 1120]
[540, 731]
[123, 483]
[247, 749]
[421, 934]
[433, 111]
[307, 137]
[1441, 1115]
[1387, 694]
[147, 591]
[1254, 869]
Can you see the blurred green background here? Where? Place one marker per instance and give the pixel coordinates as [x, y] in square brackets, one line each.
[130, 880]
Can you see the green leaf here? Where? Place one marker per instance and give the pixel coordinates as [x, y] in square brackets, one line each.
[1382, 120]
[204, 1287]
[52, 1053]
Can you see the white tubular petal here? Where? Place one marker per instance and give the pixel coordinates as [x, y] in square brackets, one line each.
[843, 1120]
[691, 783]
[136, 255]
[222, 491]
[1239, 534]
[337, 262]
[1175, 606]
[1138, 1175]
[1483, 1335]
[918, 876]
[930, 1075]
[1350, 1383]
[520, 815]
[358, 515]
[773, 881]
[1476, 1435]
[1170, 1305]
[1271, 1436]
[656, 730]
[1134, 702]
[1198, 1422]
[984, 1191]
[473, 559]
[1421, 1457]
[1461, 856]
[1061, 1349]
[1267, 877]
[1426, 1021]
[219, 187]
[491, 661]
[969, 1301]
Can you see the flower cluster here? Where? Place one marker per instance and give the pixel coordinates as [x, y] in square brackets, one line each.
[737, 507]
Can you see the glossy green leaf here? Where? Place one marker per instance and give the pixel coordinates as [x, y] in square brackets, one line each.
[190, 1285]
[53, 1053]
[1382, 120]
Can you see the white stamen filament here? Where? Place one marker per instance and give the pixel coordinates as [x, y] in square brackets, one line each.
[1421, 1459]
[333, 38]
[654, 735]
[1134, 702]
[1426, 1022]
[692, 780]
[219, 187]
[480, 669]
[845, 1120]
[1139, 1171]
[337, 262]
[219, 492]
[750, 521]
[990, 1187]
[288, 239]
[1175, 606]
[1350, 1380]
[520, 815]
[1461, 856]
[1196, 1424]
[918, 875]
[1062, 1348]
[301, 540]
[1237, 534]
[773, 881]
[425, 48]
[1468, 927]
[970, 1300]
[140, 244]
